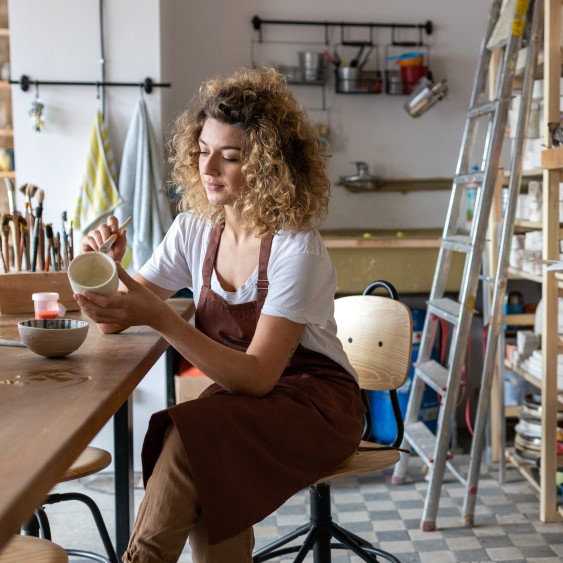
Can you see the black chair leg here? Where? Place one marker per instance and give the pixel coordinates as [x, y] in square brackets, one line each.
[99, 521]
[320, 530]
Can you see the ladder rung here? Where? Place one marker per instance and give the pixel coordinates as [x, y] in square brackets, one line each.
[423, 441]
[483, 109]
[446, 309]
[476, 176]
[459, 243]
[434, 374]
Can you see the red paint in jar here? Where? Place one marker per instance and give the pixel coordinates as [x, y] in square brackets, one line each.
[45, 315]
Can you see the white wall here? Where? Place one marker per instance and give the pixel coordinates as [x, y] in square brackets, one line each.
[185, 42]
[212, 39]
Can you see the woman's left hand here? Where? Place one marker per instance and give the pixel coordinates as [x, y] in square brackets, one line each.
[133, 305]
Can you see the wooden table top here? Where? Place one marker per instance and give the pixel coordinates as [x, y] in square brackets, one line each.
[50, 409]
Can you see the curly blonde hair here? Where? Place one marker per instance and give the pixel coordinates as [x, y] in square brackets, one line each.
[283, 162]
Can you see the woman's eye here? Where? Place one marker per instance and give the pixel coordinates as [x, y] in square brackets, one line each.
[203, 153]
[228, 159]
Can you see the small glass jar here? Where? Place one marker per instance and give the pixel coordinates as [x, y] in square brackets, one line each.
[47, 306]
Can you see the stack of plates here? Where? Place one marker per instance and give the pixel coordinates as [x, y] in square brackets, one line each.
[527, 441]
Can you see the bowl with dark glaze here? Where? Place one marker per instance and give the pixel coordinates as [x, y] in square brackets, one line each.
[53, 338]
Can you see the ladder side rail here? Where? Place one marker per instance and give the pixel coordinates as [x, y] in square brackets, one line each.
[478, 91]
[493, 148]
[496, 319]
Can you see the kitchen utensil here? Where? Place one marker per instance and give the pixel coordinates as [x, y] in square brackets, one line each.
[426, 94]
[348, 79]
[312, 64]
[93, 271]
[362, 181]
[53, 338]
[104, 247]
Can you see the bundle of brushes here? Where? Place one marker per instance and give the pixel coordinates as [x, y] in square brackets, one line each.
[27, 243]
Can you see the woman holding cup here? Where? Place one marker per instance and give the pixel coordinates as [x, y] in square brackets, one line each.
[254, 188]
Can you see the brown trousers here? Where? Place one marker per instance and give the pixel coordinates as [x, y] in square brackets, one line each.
[170, 514]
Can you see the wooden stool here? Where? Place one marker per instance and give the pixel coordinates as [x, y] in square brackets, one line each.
[27, 549]
[90, 461]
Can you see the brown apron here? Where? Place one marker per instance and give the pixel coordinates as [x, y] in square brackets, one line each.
[248, 455]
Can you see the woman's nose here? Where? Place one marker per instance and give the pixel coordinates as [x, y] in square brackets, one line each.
[208, 165]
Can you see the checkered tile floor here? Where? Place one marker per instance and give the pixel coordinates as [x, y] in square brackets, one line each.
[507, 526]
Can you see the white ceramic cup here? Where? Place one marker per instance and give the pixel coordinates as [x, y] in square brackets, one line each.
[93, 271]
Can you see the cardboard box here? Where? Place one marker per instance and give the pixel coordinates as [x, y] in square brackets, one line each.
[189, 387]
[16, 289]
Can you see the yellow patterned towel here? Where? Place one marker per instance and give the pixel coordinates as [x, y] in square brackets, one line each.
[98, 195]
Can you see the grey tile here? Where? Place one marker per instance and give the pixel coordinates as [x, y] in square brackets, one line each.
[471, 555]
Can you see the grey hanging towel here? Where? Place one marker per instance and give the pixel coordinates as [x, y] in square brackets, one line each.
[142, 189]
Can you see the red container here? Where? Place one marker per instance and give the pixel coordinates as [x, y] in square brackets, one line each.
[410, 75]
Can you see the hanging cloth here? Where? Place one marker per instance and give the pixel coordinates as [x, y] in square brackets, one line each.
[98, 195]
[141, 187]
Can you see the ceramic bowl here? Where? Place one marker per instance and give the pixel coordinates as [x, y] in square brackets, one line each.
[53, 338]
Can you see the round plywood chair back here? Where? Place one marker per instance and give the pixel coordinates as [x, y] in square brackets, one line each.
[376, 333]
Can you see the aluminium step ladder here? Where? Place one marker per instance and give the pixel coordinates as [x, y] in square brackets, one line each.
[494, 334]
[445, 379]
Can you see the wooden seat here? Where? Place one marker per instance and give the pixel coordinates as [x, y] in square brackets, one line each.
[27, 549]
[90, 461]
[376, 333]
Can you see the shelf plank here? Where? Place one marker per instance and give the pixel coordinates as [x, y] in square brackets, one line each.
[552, 159]
[535, 381]
[525, 468]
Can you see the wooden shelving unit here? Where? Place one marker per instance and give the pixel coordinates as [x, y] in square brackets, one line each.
[543, 478]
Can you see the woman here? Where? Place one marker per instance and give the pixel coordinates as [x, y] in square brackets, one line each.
[254, 183]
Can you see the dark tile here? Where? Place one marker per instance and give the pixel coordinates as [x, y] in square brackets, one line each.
[430, 545]
[461, 532]
[408, 557]
[412, 523]
[393, 535]
[537, 551]
[471, 555]
[415, 503]
[385, 515]
[520, 528]
[377, 496]
[495, 541]
[552, 538]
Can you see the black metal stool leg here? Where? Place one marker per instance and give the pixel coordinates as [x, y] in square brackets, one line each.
[99, 521]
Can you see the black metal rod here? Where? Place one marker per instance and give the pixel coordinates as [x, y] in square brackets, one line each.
[147, 84]
[257, 22]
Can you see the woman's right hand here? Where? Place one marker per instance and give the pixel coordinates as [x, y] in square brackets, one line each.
[94, 239]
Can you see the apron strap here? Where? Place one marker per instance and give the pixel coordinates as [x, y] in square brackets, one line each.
[211, 254]
[262, 283]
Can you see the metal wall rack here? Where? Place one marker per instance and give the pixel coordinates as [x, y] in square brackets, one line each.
[426, 27]
[147, 84]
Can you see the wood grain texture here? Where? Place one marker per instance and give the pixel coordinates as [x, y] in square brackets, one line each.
[50, 409]
[27, 549]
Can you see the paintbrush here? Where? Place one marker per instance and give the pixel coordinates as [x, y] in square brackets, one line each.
[15, 223]
[51, 256]
[36, 230]
[109, 242]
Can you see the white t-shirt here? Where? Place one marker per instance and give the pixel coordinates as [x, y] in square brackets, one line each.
[301, 276]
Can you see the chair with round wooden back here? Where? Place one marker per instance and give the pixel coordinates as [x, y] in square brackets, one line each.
[376, 333]
[90, 461]
[27, 549]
